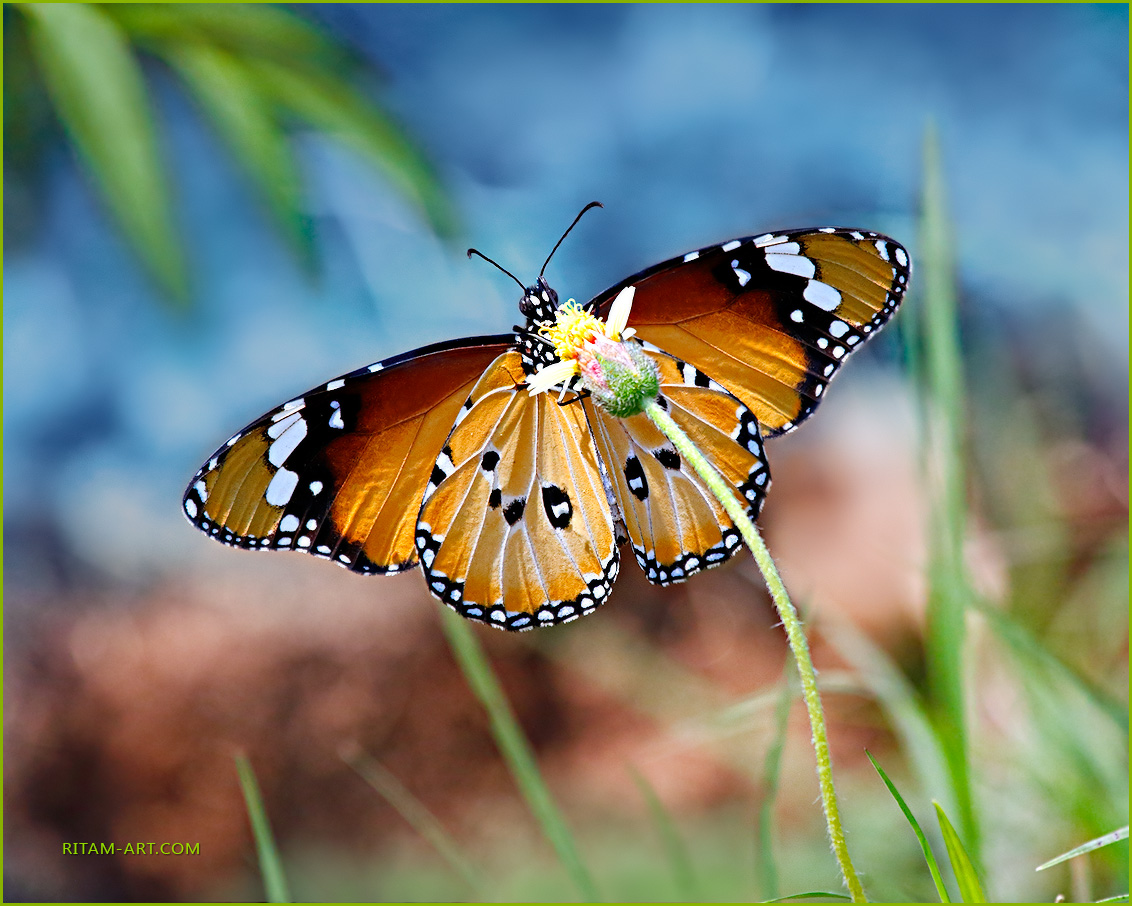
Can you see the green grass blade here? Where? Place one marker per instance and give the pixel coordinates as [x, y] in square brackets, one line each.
[772, 768]
[902, 706]
[949, 589]
[675, 849]
[245, 120]
[969, 887]
[1026, 646]
[270, 865]
[1119, 898]
[929, 856]
[809, 895]
[419, 818]
[1104, 840]
[332, 105]
[515, 749]
[99, 94]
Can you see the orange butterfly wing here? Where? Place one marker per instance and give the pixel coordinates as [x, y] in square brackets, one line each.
[770, 317]
[516, 529]
[340, 471]
[514, 505]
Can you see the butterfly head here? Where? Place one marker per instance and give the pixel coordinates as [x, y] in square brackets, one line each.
[539, 304]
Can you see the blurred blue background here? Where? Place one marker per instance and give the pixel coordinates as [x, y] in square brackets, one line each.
[691, 123]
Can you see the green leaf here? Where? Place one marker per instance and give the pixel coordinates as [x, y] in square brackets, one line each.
[99, 94]
[929, 856]
[969, 887]
[949, 589]
[241, 28]
[232, 101]
[1104, 840]
[270, 865]
[809, 895]
[332, 105]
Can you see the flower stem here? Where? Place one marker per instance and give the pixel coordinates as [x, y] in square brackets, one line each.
[790, 621]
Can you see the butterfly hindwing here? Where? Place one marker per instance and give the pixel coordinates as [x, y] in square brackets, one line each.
[515, 529]
[770, 317]
[339, 471]
[674, 522]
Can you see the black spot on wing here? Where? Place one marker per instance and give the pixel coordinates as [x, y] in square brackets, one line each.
[495, 498]
[667, 457]
[635, 476]
[513, 512]
[557, 504]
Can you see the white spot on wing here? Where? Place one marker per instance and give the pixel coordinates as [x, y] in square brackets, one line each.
[732, 245]
[791, 264]
[691, 256]
[278, 452]
[316, 487]
[444, 461]
[901, 257]
[283, 421]
[191, 508]
[822, 295]
[334, 385]
[289, 523]
[281, 487]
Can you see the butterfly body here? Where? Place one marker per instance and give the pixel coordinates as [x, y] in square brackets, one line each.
[515, 504]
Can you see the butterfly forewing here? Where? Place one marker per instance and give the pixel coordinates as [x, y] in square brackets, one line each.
[770, 317]
[515, 528]
[339, 471]
[676, 525]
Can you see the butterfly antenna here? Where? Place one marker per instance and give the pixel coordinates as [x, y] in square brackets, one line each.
[592, 204]
[498, 265]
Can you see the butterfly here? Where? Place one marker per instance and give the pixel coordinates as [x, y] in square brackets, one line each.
[515, 504]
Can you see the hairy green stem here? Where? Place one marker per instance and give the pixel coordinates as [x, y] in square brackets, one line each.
[725, 494]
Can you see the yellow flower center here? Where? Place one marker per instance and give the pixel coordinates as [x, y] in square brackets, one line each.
[572, 327]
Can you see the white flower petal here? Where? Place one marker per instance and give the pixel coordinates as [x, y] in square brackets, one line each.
[551, 376]
[619, 312]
